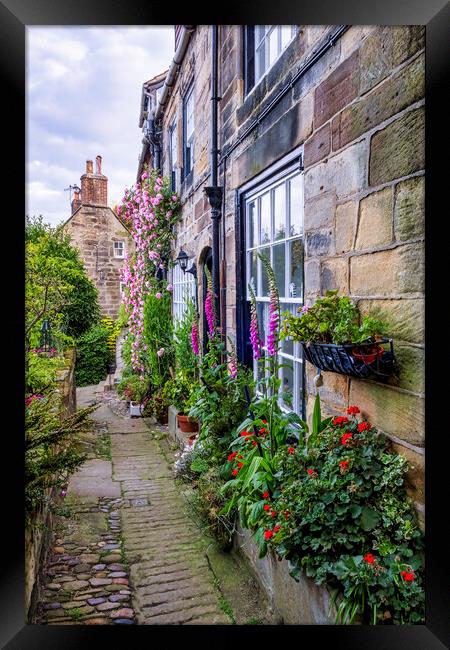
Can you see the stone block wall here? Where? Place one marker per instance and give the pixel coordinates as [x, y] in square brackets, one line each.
[94, 229]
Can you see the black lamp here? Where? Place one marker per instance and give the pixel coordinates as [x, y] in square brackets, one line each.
[46, 335]
[182, 260]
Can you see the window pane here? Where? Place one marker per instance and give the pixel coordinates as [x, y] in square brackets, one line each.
[260, 61]
[190, 115]
[279, 267]
[296, 269]
[287, 382]
[252, 270]
[265, 218]
[286, 35]
[287, 345]
[279, 212]
[273, 45]
[263, 314]
[252, 225]
[265, 252]
[296, 201]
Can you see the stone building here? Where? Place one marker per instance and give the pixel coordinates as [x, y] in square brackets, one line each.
[100, 236]
[321, 167]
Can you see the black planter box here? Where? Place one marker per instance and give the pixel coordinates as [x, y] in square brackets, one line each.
[372, 360]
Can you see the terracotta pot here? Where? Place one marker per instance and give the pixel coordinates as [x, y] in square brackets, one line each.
[369, 355]
[187, 424]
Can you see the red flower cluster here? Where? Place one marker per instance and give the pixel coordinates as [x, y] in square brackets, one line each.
[232, 456]
[246, 434]
[286, 514]
[353, 410]
[276, 528]
[235, 472]
[266, 507]
[364, 426]
[346, 437]
[291, 450]
[266, 494]
[340, 420]
[369, 558]
[310, 471]
[268, 534]
[408, 576]
[343, 465]
[273, 513]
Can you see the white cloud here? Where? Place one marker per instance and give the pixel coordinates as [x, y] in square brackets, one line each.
[83, 98]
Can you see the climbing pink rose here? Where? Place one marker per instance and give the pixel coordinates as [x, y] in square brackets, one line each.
[158, 295]
[160, 352]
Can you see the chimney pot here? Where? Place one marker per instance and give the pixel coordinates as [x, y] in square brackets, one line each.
[98, 162]
[89, 167]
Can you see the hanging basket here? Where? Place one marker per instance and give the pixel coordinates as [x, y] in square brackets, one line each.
[371, 360]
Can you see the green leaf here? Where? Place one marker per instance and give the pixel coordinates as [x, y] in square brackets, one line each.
[369, 518]
[355, 510]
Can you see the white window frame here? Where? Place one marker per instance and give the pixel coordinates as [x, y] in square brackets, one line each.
[262, 38]
[183, 290]
[290, 352]
[120, 248]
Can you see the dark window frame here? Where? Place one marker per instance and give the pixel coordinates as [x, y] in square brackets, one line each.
[172, 163]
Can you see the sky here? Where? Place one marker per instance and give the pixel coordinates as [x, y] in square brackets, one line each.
[83, 94]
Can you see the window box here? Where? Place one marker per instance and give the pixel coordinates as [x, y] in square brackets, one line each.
[371, 360]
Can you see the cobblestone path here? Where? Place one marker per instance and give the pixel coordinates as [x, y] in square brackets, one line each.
[129, 553]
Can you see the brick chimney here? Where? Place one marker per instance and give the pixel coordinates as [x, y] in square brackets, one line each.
[76, 201]
[94, 187]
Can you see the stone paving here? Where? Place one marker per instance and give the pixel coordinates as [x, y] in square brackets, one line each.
[129, 553]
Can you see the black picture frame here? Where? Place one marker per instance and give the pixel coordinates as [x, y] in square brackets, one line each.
[15, 15]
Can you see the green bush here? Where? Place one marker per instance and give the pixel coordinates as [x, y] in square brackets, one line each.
[158, 333]
[41, 371]
[92, 357]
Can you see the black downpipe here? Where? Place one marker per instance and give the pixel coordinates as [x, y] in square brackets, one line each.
[214, 192]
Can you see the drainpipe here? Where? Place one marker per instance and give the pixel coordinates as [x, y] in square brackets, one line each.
[174, 67]
[214, 192]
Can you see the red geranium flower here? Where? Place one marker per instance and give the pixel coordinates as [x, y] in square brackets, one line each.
[310, 471]
[235, 472]
[232, 456]
[343, 465]
[265, 494]
[266, 506]
[268, 534]
[353, 410]
[276, 528]
[254, 443]
[291, 450]
[262, 431]
[369, 558]
[407, 575]
[245, 434]
[273, 513]
[346, 437]
[240, 456]
[286, 514]
[364, 426]
[240, 465]
[340, 420]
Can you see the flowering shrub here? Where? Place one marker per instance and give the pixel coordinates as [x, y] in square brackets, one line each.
[338, 510]
[150, 209]
[93, 356]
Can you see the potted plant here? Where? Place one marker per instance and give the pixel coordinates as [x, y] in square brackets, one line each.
[179, 391]
[134, 390]
[334, 337]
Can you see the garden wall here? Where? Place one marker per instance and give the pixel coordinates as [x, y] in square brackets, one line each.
[294, 603]
[38, 535]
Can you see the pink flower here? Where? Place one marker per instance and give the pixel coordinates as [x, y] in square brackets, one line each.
[170, 287]
[160, 352]
[158, 295]
[209, 311]
[194, 338]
